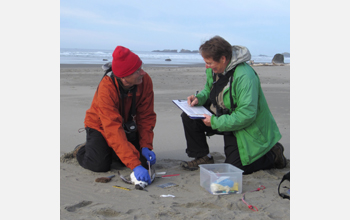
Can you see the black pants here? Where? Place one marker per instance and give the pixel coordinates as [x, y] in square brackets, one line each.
[197, 146]
[97, 156]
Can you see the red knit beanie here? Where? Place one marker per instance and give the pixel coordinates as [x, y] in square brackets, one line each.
[124, 62]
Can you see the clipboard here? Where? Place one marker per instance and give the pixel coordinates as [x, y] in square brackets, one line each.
[195, 112]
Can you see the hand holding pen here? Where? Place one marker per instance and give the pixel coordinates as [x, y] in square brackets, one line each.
[192, 100]
[149, 155]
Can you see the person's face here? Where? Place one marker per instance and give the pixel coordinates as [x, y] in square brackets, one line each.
[217, 67]
[134, 79]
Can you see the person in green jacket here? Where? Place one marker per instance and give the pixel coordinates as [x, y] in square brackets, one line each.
[240, 113]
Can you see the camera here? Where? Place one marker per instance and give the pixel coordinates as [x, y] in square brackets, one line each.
[130, 129]
[223, 111]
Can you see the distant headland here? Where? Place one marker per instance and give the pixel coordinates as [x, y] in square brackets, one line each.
[175, 51]
[286, 54]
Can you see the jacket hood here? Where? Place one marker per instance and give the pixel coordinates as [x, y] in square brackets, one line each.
[106, 66]
[240, 54]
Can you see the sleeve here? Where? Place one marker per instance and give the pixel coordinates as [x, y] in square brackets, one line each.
[247, 95]
[108, 100]
[145, 115]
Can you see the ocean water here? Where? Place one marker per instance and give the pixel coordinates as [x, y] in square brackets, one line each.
[95, 56]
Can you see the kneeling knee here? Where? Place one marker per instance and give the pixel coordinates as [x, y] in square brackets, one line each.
[98, 167]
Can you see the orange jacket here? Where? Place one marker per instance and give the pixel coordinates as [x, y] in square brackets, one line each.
[104, 116]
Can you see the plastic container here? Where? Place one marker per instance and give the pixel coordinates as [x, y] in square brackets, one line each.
[221, 178]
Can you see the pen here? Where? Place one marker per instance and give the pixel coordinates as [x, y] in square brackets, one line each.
[194, 97]
[149, 168]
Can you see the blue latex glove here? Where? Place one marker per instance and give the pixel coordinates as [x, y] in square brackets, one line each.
[141, 174]
[149, 155]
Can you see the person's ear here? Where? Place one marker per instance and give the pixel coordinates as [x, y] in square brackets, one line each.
[223, 59]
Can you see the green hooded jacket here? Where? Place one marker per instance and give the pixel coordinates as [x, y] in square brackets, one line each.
[251, 121]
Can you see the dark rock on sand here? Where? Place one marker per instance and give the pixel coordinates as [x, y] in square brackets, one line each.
[278, 58]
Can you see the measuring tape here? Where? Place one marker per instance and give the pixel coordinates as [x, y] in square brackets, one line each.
[120, 187]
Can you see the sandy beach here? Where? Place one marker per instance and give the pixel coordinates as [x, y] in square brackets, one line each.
[83, 198]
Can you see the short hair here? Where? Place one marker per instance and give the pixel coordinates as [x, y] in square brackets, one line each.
[215, 48]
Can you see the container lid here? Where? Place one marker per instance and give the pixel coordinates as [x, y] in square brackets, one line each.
[208, 166]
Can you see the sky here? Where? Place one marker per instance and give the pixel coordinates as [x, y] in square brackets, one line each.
[261, 25]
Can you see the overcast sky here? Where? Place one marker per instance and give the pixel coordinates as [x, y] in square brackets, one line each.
[261, 25]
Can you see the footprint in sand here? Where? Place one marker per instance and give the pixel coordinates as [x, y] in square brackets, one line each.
[107, 212]
[73, 208]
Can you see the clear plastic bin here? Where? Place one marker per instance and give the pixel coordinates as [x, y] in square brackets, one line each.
[221, 178]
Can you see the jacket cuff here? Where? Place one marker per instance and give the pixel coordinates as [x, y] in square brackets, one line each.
[132, 166]
[200, 99]
[213, 121]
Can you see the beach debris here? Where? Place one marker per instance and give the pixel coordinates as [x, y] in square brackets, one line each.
[167, 195]
[168, 59]
[253, 208]
[167, 185]
[104, 179]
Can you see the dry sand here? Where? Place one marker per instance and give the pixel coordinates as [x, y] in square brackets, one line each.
[82, 198]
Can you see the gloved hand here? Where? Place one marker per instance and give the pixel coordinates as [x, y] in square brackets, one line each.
[149, 155]
[141, 174]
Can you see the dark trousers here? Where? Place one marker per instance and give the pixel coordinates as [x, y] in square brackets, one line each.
[97, 156]
[197, 146]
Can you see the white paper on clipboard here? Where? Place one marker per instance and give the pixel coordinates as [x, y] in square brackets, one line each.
[195, 112]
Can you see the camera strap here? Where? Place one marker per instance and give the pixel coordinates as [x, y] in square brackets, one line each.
[219, 85]
[231, 98]
[122, 94]
[133, 104]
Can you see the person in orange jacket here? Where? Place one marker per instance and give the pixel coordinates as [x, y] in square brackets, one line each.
[113, 130]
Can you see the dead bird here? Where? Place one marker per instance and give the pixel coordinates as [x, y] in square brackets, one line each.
[140, 185]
